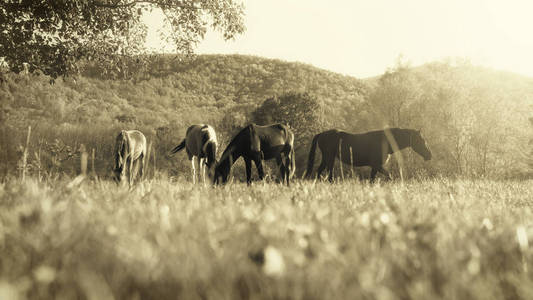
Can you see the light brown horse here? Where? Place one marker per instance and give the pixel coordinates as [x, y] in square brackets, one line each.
[130, 151]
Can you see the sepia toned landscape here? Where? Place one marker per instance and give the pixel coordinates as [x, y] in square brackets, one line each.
[451, 219]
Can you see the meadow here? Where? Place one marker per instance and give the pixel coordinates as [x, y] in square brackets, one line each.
[169, 239]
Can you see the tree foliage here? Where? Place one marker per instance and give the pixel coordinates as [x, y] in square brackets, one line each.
[54, 35]
[390, 101]
[301, 111]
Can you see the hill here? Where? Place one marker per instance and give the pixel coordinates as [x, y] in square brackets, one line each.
[460, 107]
[170, 95]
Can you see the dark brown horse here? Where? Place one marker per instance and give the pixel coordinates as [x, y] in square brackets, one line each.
[366, 149]
[257, 143]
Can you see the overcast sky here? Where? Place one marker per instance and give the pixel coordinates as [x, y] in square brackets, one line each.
[363, 38]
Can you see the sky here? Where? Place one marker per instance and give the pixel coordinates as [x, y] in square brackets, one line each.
[364, 38]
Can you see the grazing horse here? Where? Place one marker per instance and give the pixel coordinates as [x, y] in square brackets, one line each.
[366, 149]
[130, 149]
[257, 143]
[201, 144]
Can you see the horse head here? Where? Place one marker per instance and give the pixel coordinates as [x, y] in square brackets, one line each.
[220, 173]
[210, 150]
[418, 144]
[121, 144]
[211, 166]
[118, 167]
[223, 166]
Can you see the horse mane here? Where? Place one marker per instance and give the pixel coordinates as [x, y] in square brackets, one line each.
[230, 149]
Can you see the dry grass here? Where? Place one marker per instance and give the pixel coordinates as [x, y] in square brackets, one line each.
[436, 239]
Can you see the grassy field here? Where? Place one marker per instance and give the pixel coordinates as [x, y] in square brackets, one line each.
[435, 239]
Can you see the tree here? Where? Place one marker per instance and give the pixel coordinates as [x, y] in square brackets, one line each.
[389, 102]
[54, 35]
[301, 111]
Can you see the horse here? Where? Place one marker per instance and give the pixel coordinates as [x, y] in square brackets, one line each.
[366, 149]
[201, 144]
[257, 143]
[130, 149]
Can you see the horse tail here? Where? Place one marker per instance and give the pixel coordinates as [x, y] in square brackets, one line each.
[293, 162]
[311, 158]
[178, 147]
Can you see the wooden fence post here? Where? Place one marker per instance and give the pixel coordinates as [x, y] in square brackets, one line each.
[93, 171]
[147, 160]
[83, 160]
[25, 154]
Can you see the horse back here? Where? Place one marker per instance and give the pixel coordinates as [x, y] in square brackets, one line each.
[274, 134]
[365, 149]
[137, 143]
[328, 141]
[270, 139]
[197, 137]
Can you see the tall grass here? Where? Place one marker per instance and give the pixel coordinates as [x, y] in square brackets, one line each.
[434, 239]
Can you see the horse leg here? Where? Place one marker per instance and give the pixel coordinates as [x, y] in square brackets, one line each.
[259, 166]
[385, 172]
[287, 173]
[141, 171]
[248, 164]
[193, 168]
[373, 174]
[202, 169]
[135, 169]
[199, 168]
[282, 168]
[122, 175]
[130, 167]
[289, 162]
[288, 165]
[331, 165]
[321, 168]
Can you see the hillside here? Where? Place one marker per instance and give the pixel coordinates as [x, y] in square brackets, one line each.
[458, 106]
[215, 82]
[215, 89]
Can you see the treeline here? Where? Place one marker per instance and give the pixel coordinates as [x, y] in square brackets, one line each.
[475, 120]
